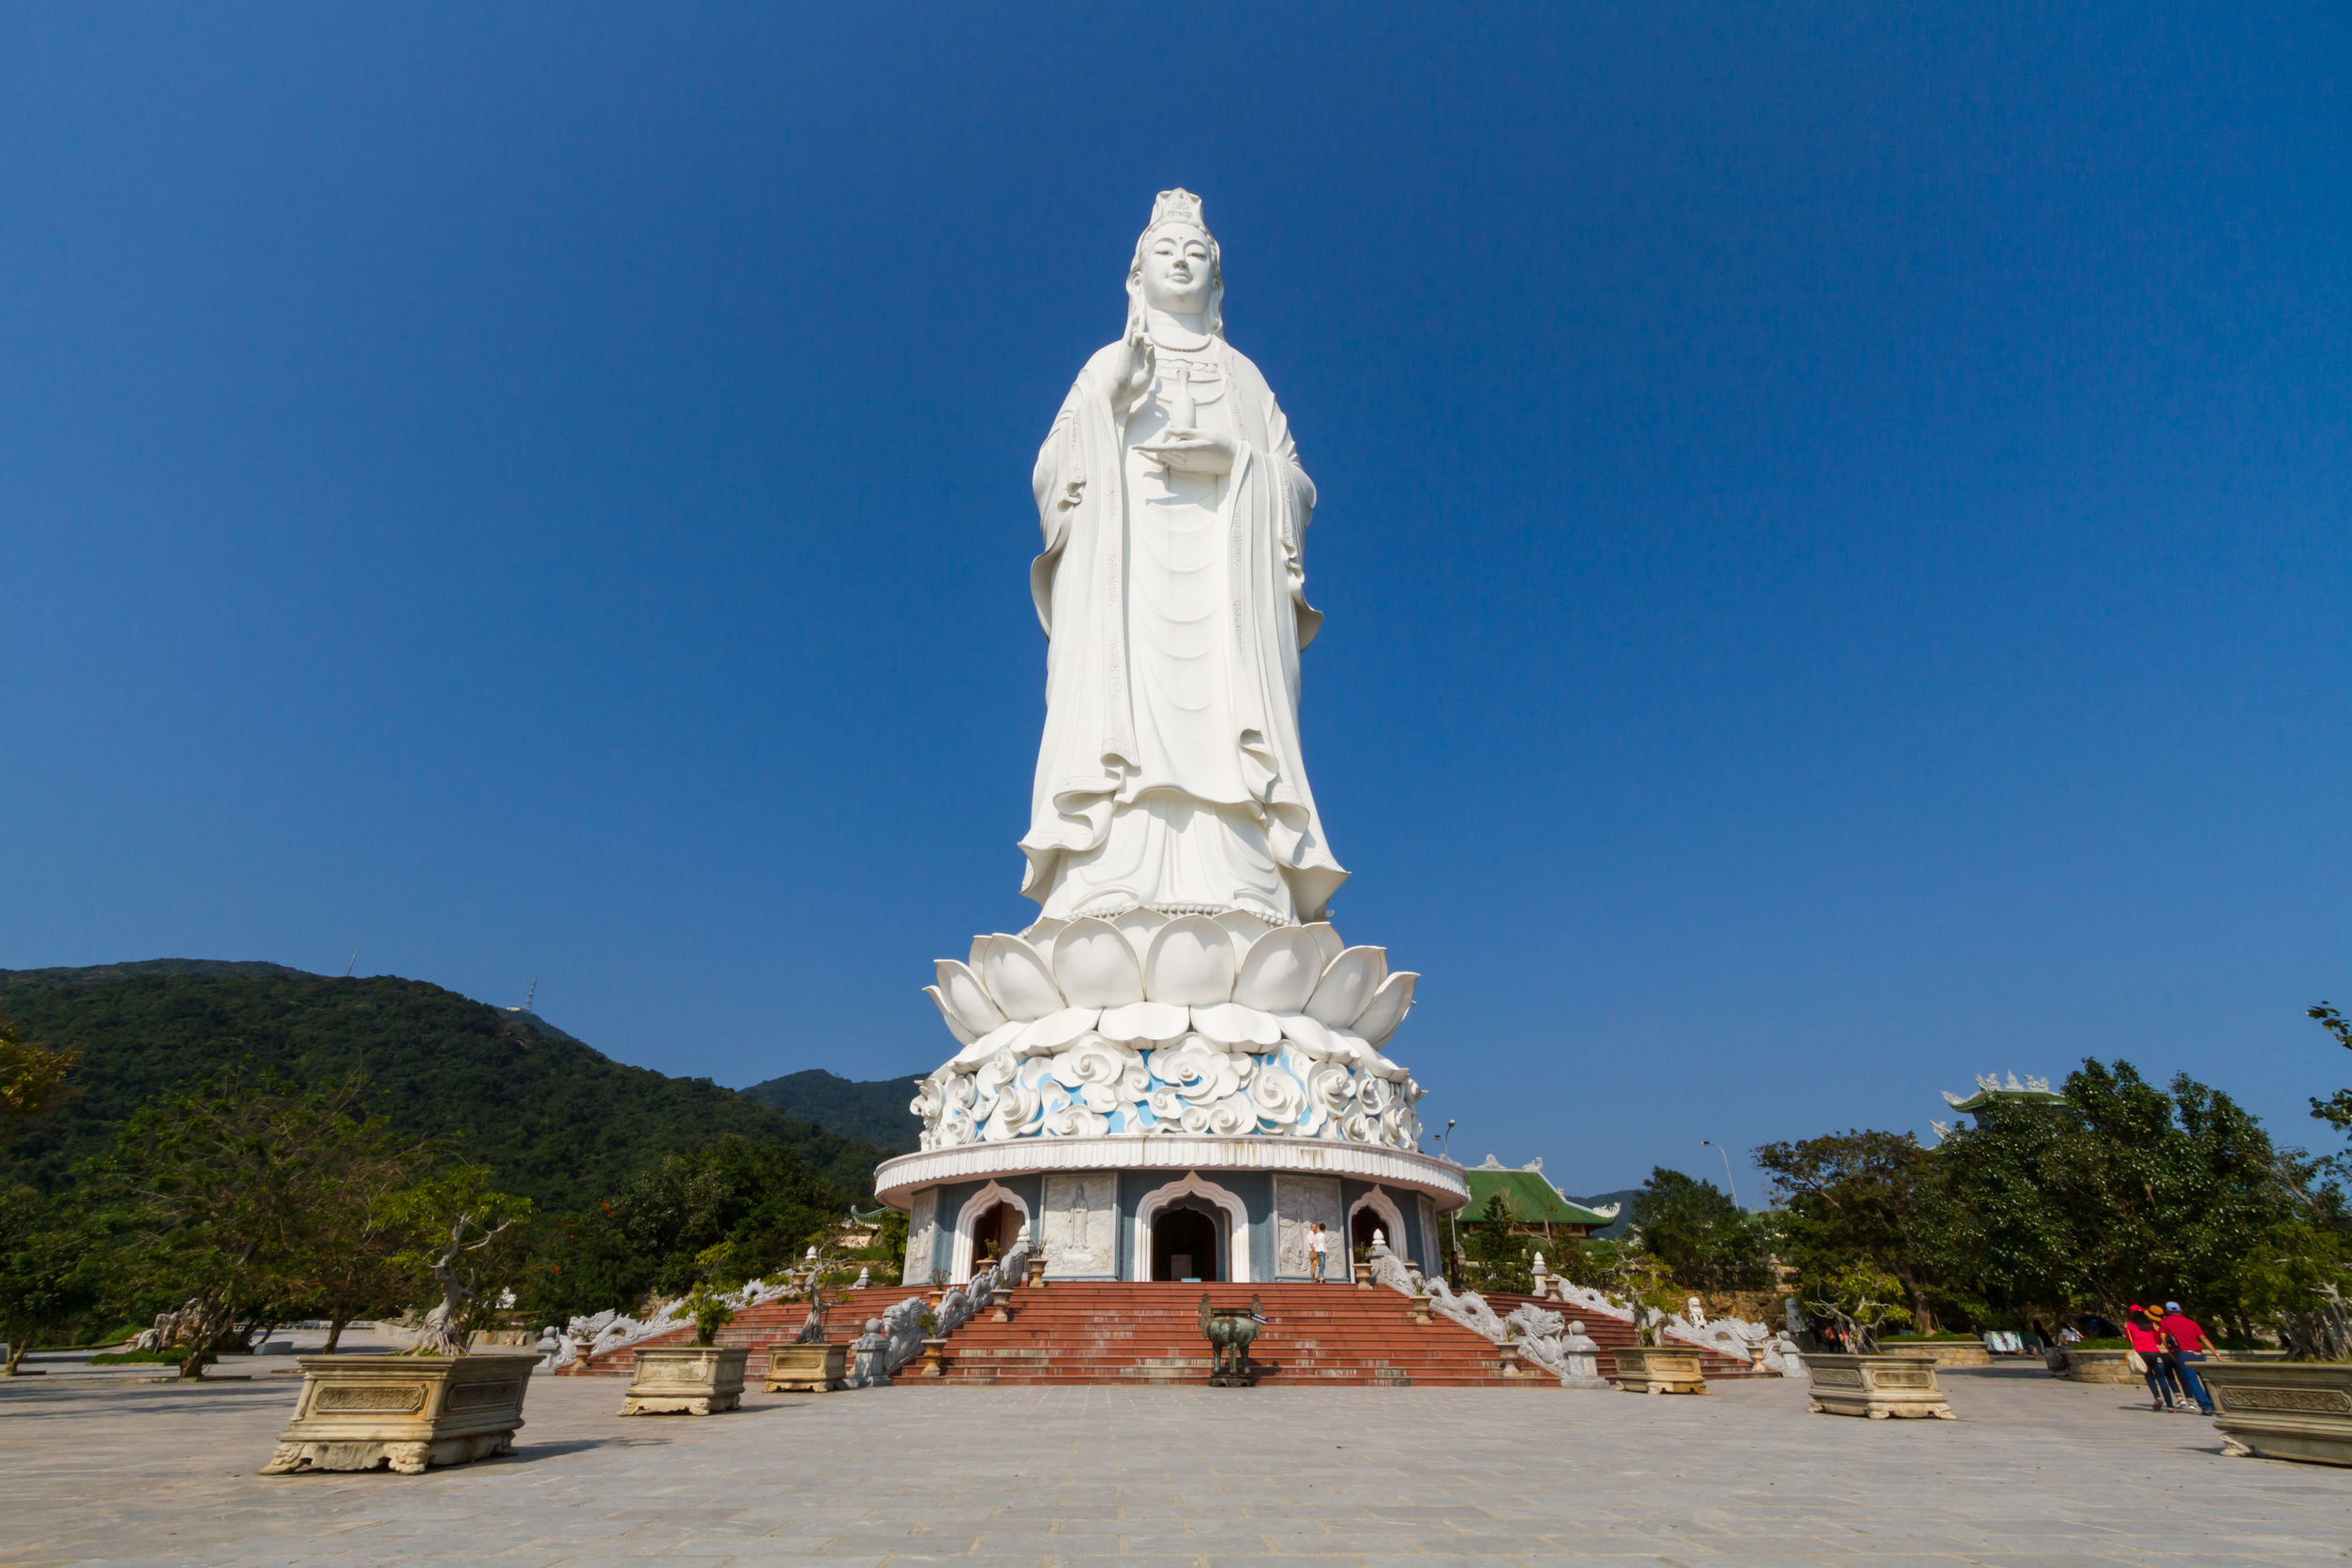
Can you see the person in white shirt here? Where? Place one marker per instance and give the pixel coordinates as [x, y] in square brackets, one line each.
[1317, 1247]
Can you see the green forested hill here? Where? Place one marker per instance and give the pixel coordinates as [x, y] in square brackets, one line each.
[875, 1110]
[558, 1121]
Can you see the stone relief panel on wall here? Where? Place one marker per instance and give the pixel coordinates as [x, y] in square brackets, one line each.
[1082, 1223]
[922, 1239]
[1299, 1202]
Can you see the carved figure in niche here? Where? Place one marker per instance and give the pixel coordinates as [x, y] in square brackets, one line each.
[1172, 589]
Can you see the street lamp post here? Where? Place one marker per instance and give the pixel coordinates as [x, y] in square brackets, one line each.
[1710, 1144]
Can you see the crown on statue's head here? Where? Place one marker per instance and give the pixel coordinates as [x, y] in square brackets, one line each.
[1176, 207]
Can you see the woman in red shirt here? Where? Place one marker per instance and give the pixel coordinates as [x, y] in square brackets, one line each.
[2142, 1335]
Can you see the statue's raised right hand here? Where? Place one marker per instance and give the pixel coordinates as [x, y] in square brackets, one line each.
[1136, 366]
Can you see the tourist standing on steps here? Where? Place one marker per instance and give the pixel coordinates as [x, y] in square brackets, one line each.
[2185, 1339]
[1317, 1248]
[2140, 1332]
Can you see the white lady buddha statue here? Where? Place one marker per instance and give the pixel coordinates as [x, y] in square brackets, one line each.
[1172, 591]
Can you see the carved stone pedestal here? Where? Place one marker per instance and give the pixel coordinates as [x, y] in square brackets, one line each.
[1942, 1352]
[2101, 1366]
[357, 1412]
[2282, 1410]
[688, 1379]
[807, 1368]
[1659, 1369]
[1879, 1387]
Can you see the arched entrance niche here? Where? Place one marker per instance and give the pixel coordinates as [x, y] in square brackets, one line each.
[994, 1214]
[1196, 1213]
[1375, 1211]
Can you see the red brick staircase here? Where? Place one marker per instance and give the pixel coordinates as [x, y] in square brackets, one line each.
[1077, 1332]
[1105, 1333]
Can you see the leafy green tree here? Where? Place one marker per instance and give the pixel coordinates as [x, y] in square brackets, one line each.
[34, 1079]
[2336, 1109]
[1860, 1299]
[469, 1241]
[1497, 1252]
[1858, 1195]
[644, 1239]
[218, 1191]
[42, 1282]
[1702, 1237]
[2126, 1193]
[354, 1259]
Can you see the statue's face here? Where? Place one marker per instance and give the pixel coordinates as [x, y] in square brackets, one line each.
[1176, 269]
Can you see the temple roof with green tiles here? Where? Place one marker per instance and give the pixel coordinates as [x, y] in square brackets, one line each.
[2033, 1091]
[1533, 1200]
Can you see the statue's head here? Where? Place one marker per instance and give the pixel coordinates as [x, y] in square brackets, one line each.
[1176, 266]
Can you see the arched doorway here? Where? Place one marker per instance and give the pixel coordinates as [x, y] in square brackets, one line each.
[1377, 1211]
[1188, 1242]
[1224, 1249]
[994, 1232]
[992, 1215]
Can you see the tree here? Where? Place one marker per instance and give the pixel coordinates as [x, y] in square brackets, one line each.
[1859, 1300]
[457, 1225]
[353, 1258]
[219, 1191]
[1703, 1238]
[41, 1280]
[1497, 1252]
[1861, 1196]
[33, 1078]
[644, 1239]
[2126, 1192]
[2336, 1109]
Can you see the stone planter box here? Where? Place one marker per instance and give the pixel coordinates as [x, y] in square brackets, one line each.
[2100, 1367]
[1880, 1387]
[1943, 1352]
[807, 1368]
[1659, 1369]
[357, 1413]
[697, 1379]
[2282, 1410]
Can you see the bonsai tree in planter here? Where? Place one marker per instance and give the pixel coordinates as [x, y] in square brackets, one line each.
[1857, 1301]
[1639, 1280]
[710, 1311]
[459, 1224]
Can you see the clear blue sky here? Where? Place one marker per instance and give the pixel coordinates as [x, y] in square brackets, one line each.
[1833, 518]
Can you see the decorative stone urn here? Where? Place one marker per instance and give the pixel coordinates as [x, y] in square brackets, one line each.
[1659, 1369]
[2101, 1366]
[1943, 1352]
[807, 1368]
[696, 1379]
[357, 1413]
[1230, 1331]
[1880, 1387]
[2282, 1410]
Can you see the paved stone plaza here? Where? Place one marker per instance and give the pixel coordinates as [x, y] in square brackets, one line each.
[2035, 1471]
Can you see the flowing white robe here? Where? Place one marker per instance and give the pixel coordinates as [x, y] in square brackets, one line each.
[1170, 775]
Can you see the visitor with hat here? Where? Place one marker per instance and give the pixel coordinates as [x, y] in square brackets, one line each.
[2184, 1340]
[2148, 1351]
